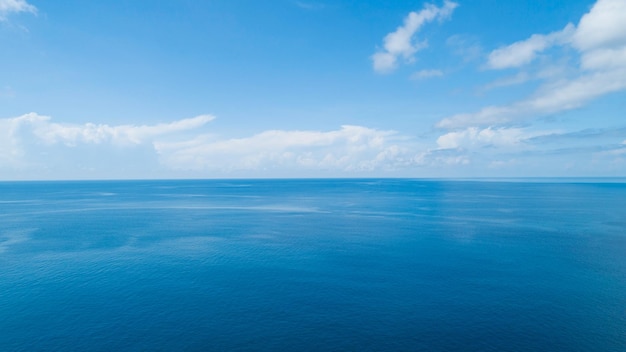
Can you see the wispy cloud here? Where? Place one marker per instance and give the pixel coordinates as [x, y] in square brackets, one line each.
[552, 97]
[599, 38]
[518, 150]
[525, 51]
[402, 42]
[7, 93]
[518, 78]
[465, 46]
[90, 133]
[8, 7]
[473, 136]
[605, 134]
[423, 74]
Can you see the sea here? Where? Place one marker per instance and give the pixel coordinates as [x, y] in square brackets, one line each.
[313, 265]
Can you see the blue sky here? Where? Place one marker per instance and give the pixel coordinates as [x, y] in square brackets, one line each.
[285, 88]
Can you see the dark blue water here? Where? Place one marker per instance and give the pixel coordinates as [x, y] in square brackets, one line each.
[312, 265]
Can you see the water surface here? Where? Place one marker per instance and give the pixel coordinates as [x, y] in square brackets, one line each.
[312, 265]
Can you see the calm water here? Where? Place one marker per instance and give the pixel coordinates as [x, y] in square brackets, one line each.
[312, 265]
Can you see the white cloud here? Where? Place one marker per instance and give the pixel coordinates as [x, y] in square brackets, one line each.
[570, 94]
[32, 146]
[550, 98]
[515, 151]
[19, 136]
[600, 39]
[553, 71]
[401, 42]
[35, 142]
[603, 26]
[72, 134]
[479, 146]
[10, 151]
[8, 7]
[601, 36]
[438, 157]
[473, 136]
[351, 148]
[525, 51]
[423, 74]
[488, 116]
[604, 58]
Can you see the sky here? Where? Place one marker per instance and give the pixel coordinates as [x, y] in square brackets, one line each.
[312, 88]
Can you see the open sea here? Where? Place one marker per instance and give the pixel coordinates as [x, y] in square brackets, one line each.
[313, 265]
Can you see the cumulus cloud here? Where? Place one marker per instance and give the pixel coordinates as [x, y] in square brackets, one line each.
[350, 148]
[34, 146]
[35, 142]
[603, 26]
[24, 140]
[601, 36]
[8, 7]
[600, 40]
[402, 42]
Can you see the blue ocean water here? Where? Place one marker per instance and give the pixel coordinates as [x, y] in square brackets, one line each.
[312, 265]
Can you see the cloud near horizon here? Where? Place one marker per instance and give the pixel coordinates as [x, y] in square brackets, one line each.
[25, 138]
[350, 148]
[28, 141]
[33, 144]
[402, 42]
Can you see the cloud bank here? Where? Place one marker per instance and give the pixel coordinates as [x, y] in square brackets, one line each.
[350, 148]
[35, 142]
[27, 140]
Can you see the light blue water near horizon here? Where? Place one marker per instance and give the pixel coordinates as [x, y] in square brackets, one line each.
[313, 265]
